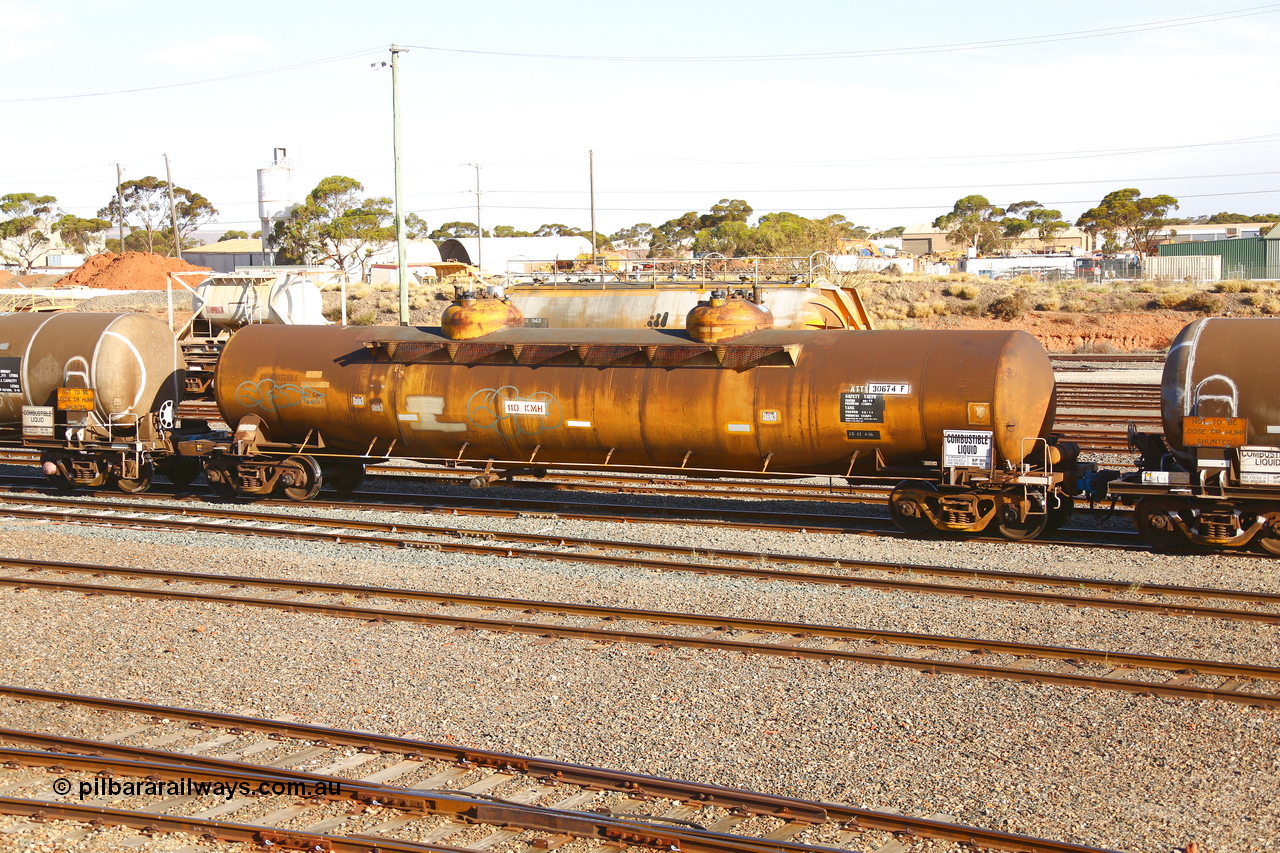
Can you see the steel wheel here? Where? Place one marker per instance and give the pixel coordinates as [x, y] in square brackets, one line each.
[1028, 528]
[134, 486]
[303, 476]
[906, 513]
[1151, 517]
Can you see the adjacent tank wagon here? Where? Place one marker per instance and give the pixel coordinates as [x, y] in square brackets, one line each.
[1214, 477]
[96, 392]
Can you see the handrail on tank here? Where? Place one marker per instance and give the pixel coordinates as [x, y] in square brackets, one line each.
[714, 267]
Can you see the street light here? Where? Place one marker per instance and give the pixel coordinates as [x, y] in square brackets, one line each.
[402, 268]
[479, 228]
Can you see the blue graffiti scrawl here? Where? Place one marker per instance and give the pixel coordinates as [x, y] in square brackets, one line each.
[269, 395]
[490, 408]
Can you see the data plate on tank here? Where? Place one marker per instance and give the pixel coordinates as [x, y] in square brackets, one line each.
[1259, 460]
[10, 375]
[37, 421]
[1259, 478]
[966, 448]
[75, 399]
[1213, 432]
[1165, 478]
[861, 408]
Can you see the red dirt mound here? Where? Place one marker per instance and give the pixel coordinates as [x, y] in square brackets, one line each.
[130, 271]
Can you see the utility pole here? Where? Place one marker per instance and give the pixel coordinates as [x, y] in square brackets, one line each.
[173, 210]
[591, 168]
[120, 202]
[479, 227]
[402, 267]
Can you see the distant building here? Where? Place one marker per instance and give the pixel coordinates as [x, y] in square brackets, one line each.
[924, 239]
[228, 255]
[513, 254]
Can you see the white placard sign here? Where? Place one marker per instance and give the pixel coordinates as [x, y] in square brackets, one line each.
[966, 449]
[1258, 460]
[37, 420]
[893, 389]
[525, 407]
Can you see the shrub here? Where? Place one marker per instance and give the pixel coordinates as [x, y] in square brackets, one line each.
[1010, 306]
[1201, 301]
[364, 318]
[333, 315]
[962, 291]
[1266, 304]
[359, 292]
[1097, 346]
[1171, 300]
[1075, 304]
[1236, 286]
[1049, 302]
[920, 309]
[1024, 278]
[387, 305]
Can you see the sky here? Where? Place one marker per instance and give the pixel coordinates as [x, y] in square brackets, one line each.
[885, 113]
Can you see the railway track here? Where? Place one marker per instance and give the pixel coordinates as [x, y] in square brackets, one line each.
[157, 511]
[602, 626]
[471, 795]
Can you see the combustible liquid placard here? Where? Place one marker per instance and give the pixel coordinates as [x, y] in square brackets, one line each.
[1213, 432]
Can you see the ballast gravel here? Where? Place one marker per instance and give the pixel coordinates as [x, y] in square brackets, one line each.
[1101, 768]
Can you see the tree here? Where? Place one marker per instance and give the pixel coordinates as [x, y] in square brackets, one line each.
[193, 210]
[1049, 224]
[80, 234]
[895, 231]
[335, 225]
[145, 201]
[1127, 212]
[973, 221]
[234, 235]
[726, 210]
[27, 229]
[509, 231]
[555, 229]
[673, 235]
[453, 230]
[633, 237]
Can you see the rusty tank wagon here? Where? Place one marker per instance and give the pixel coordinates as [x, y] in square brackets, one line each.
[97, 393]
[1213, 479]
[961, 420]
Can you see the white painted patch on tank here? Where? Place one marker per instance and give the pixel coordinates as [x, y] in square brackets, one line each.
[1233, 399]
[427, 408]
[26, 361]
[142, 367]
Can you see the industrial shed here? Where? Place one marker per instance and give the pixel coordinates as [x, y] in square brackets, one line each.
[229, 255]
[513, 254]
[1243, 257]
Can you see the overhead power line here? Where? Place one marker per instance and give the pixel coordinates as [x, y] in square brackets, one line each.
[1018, 41]
[282, 68]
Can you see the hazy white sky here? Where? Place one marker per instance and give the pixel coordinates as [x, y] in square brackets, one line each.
[886, 113]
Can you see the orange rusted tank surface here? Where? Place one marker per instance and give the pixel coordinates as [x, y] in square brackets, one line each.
[472, 317]
[781, 400]
[723, 318]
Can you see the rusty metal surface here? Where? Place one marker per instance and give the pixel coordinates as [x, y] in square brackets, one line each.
[721, 319]
[1220, 367]
[131, 361]
[594, 397]
[666, 305]
[468, 317]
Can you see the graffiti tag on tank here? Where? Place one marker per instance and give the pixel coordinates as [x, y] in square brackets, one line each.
[272, 396]
[490, 408]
